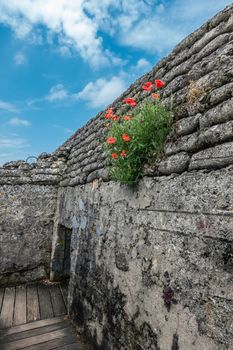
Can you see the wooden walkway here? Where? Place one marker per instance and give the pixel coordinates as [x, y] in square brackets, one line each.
[32, 317]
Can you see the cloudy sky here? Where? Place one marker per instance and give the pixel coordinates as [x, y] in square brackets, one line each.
[62, 61]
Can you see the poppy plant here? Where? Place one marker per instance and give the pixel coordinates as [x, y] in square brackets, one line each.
[159, 83]
[130, 145]
[130, 101]
[114, 155]
[111, 140]
[115, 117]
[109, 113]
[123, 153]
[127, 117]
[147, 86]
[126, 137]
[155, 96]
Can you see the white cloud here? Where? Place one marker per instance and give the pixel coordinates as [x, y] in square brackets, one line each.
[12, 146]
[19, 122]
[168, 24]
[57, 93]
[112, 16]
[13, 154]
[8, 107]
[77, 26]
[102, 92]
[141, 36]
[198, 10]
[69, 131]
[97, 94]
[65, 51]
[5, 157]
[65, 18]
[66, 130]
[20, 59]
[141, 66]
[8, 156]
[16, 142]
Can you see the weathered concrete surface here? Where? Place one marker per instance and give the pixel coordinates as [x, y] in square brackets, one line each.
[26, 226]
[28, 194]
[127, 246]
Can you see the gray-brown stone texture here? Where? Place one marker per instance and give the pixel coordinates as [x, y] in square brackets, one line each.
[28, 194]
[26, 227]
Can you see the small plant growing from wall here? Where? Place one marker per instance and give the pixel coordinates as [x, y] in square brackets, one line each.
[137, 138]
[194, 92]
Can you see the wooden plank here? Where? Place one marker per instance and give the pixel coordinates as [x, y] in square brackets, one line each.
[34, 332]
[64, 291]
[46, 309]
[57, 300]
[33, 311]
[20, 312]
[31, 325]
[38, 339]
[6, 316]
[55, 344]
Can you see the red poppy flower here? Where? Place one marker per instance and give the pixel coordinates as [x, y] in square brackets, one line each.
[111, 140]
[114, 155]
[159, 83]
[130, 101]
[155, 96]
[147, 86]
[126, 137]
[108, 114]
[127, 117]
[123, 153]
[115, 117]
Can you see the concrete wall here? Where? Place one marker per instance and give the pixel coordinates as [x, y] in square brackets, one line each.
[28, 197]
[26, 228]
[129, 247]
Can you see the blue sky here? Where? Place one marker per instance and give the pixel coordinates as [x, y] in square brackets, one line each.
[62, 61]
